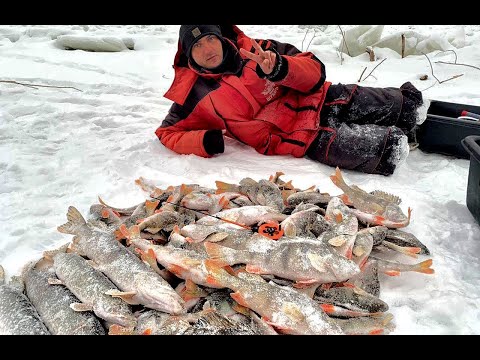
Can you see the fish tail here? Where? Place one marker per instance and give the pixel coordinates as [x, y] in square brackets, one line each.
[75, 222]
[337, 179]
[225, 187]
[130, 234]
[150, 206]
[185, 190]
[424, 267]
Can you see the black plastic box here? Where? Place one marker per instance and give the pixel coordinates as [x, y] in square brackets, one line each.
[472, 146]
[442, 132]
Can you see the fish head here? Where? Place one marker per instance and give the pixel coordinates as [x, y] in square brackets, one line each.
[341, 267]
[394, 214]
[156, 293]
[197, 232]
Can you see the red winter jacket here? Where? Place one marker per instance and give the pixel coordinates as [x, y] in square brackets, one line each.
[275, 117]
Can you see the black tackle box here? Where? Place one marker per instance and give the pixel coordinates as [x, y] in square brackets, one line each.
[442, 132]
[472, 146]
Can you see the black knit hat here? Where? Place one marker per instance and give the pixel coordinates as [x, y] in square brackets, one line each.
[190, 34]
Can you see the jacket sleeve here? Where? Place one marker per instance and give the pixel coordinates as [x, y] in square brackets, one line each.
[301, 71]
[183, 141]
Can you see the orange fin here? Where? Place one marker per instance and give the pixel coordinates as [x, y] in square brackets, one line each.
[302, 284]
[176, 270]
[239, 299]
[225, 187]
[392, 273]
[224, 202]
[116, 329]
[215, 252]
[328, 308]
[215, 273]
[255, 269]
[150, 206]
[346, 200]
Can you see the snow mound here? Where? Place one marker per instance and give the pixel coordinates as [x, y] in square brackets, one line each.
[97, 44]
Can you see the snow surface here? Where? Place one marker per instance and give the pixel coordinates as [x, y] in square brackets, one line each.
[62, 147]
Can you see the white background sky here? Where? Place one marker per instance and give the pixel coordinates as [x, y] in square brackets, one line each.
[62, 147]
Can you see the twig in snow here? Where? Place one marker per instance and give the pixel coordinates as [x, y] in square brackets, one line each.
[440, 81]
[344, 41]
[38, 85]
[455, 63]
[306, 32]
[372, 70]
[453, 77]
[403, 46]
[431, 67]
[360, 78]
[314, 36]
[435, 83]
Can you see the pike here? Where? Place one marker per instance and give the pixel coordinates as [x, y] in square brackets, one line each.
[139, 284]
[18, 316]
[91, 287]
[53, 303]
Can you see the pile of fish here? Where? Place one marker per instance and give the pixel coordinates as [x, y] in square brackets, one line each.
[258, 257]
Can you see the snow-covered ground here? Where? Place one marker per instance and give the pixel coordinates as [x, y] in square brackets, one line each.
[62, 147]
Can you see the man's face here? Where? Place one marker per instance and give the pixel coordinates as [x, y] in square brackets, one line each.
[208, 52]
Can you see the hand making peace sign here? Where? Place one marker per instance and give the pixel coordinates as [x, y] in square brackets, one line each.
[266, 59]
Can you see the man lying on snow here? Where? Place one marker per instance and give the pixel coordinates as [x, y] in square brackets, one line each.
[274, 98]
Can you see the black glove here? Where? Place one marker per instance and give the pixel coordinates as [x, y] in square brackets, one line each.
[213, 142]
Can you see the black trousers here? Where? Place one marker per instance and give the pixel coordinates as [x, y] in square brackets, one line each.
[363, 126]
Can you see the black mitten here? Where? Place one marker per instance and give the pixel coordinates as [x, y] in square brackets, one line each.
[213, 142]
